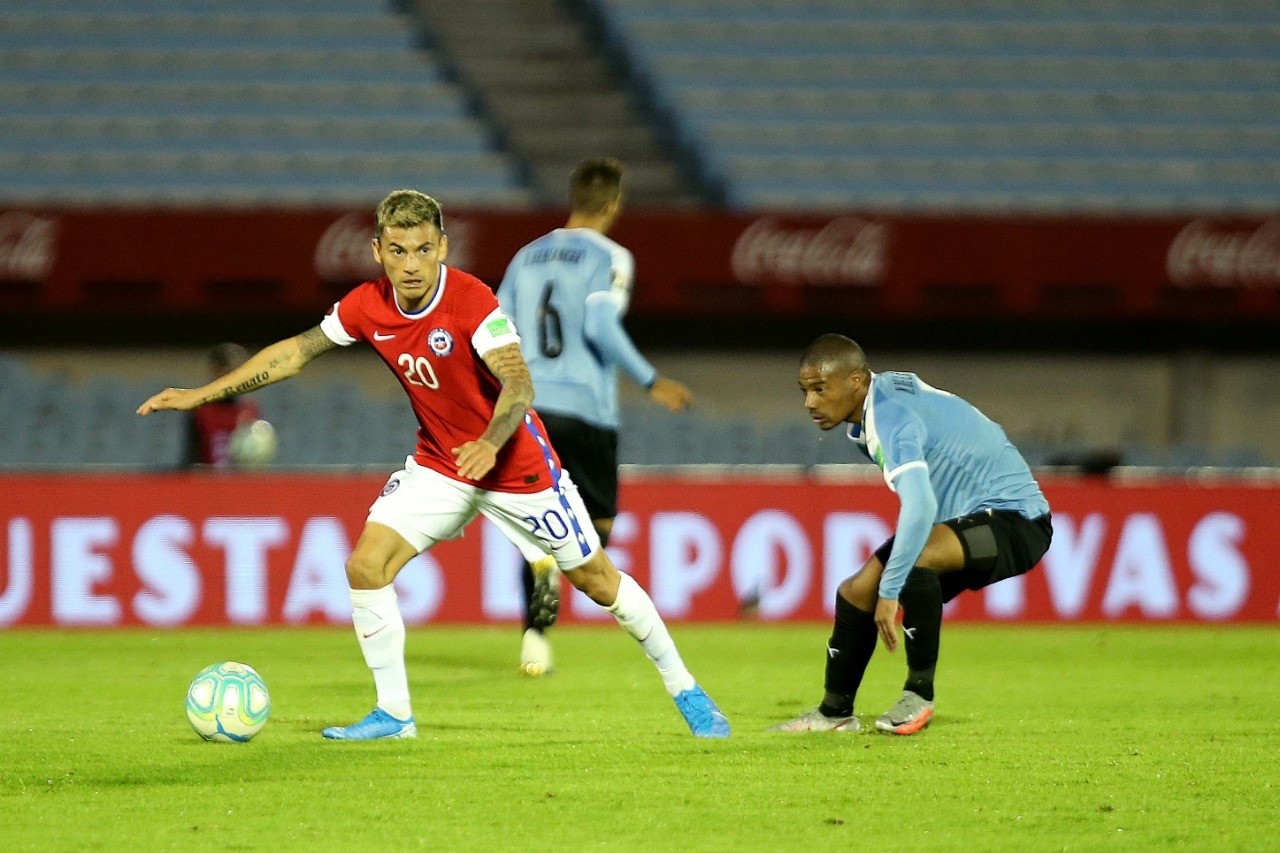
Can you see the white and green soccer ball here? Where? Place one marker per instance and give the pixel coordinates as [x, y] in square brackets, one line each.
[228, 702]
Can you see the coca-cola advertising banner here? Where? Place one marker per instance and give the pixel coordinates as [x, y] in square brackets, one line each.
[189, 549]
[690, 264]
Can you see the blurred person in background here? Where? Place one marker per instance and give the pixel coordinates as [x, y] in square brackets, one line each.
[480, 449]
[210, 427]
[567, 292]
[971, 515]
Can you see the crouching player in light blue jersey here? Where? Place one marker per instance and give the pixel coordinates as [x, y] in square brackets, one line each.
[971, 515]
[567, 292]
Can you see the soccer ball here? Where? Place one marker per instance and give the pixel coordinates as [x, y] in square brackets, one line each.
[253, 444]
[228, 702]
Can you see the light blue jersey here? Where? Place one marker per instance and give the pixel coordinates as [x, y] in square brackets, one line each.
[567, 292]
[943, 457]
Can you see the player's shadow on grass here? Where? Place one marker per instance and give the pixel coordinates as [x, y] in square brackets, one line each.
[189, 761]
[445, 667]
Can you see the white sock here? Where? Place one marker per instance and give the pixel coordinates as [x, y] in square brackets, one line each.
[636, 614]
[380, 631]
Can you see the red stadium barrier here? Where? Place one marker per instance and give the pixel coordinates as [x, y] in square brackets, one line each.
[192, 549]
[695, 265]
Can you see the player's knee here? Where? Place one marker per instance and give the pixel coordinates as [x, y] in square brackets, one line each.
[863, 588]
[858, 592]
[365, 572]
[596, 578]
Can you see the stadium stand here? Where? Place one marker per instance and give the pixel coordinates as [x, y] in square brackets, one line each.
[294, 102]
[910, 105]
[51, 421]
[546, 84]
[996, 105]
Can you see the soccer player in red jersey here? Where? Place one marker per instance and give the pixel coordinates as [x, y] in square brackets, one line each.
[481, 449]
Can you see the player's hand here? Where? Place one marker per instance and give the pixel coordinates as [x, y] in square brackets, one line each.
[887, 622]
[476, 458]
[179, 399]
[670, 393]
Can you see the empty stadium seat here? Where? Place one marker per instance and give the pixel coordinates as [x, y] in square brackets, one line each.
[994, 105]
[48, 421]
[139, 102]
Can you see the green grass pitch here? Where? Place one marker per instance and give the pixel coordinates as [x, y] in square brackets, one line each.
[1046, 738]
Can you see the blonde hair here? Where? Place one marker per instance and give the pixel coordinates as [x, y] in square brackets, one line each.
[409, 209]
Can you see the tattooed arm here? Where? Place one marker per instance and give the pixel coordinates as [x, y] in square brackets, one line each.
[272, 364]
[477, 458]
[517, 393]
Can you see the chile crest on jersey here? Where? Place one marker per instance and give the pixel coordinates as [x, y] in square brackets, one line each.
[440, 341]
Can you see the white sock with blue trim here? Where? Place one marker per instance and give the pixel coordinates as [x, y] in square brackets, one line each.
[636, 614]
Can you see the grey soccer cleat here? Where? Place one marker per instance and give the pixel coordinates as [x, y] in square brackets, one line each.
[911, 714]
[816, 721]
[544, 606]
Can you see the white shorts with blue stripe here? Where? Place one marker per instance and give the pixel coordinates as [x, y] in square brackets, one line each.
[425, 507]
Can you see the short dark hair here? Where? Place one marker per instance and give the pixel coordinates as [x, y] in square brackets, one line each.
[595, 184]
[834, 351]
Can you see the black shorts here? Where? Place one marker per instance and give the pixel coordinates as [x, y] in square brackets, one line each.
[997, 544]
[590, 454]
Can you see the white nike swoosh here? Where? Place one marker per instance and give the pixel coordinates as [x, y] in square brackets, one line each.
[378, 336]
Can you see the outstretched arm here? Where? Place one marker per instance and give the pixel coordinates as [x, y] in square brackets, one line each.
[271, 364]
[477, 458]
[603, 328]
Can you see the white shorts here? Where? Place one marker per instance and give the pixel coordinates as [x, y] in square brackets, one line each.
[426, 507]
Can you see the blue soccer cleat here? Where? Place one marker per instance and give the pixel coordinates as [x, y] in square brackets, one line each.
[378, 725]
[702, 715]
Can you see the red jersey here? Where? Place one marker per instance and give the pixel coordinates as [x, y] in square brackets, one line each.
[435, 353]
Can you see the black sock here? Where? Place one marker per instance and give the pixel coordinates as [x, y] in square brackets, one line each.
[526, 580]
[853, 640]
[921, 601]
